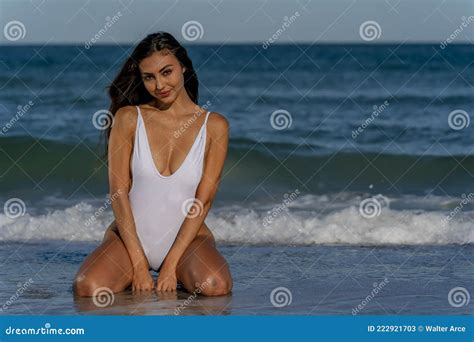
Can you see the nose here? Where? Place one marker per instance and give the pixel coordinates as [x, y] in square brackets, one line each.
[159, 85]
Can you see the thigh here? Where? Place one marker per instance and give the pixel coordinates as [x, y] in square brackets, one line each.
[108, 266]
[202, 265]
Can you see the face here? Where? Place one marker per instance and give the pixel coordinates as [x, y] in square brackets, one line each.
[162, 76]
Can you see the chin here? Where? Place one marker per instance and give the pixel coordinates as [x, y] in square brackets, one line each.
[168, 99]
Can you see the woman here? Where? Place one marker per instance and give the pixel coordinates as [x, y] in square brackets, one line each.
[165, 156]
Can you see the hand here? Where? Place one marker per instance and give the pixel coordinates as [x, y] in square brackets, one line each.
[166, 279]
[142, 279]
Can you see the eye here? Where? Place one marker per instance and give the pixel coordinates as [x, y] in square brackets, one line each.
[147, 77]
[167, 72]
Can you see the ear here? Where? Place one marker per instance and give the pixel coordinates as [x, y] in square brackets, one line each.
[184, 70]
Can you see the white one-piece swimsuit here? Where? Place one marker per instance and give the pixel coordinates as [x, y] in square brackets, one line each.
[159, 203]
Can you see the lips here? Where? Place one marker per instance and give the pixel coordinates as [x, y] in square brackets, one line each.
[164, 94]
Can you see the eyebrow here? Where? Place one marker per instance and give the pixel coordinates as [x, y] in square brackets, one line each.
[150, 73]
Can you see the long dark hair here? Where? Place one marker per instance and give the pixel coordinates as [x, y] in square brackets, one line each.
[127, 88]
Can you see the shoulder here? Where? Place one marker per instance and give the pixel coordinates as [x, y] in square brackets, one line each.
[125, 118]
[218, 124]
[126, 113]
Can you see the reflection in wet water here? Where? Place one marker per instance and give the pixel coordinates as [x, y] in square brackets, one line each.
[268, 280]
[155, 303]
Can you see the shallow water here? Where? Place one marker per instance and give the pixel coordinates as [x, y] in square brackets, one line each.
[308, 280]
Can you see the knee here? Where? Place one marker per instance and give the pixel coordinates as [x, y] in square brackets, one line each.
[215, 285]
[84, 286]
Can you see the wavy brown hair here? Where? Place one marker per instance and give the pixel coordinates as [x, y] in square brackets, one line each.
[127, 88]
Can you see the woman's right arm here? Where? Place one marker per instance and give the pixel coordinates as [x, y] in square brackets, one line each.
[119, 155]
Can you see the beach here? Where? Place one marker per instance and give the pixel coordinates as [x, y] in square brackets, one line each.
[347, 188]
[312, 280]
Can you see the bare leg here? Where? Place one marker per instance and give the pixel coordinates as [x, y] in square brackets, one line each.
[203, 269]
[107, 266]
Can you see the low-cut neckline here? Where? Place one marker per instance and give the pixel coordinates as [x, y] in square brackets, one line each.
[185, 158]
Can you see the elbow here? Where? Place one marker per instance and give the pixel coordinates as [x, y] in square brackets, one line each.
[119, 192]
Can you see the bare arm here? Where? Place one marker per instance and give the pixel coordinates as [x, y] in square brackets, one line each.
[119, 156]
[218, 128]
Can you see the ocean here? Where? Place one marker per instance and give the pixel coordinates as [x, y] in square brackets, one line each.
[348, 166]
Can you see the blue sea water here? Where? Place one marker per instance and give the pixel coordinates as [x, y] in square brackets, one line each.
[359, 121]
[354, 122]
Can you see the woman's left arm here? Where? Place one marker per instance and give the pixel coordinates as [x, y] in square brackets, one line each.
[218, 129]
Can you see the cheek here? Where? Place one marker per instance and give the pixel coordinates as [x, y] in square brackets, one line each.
[149, 86]
[178, 80]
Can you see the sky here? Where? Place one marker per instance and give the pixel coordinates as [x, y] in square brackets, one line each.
[232, 21]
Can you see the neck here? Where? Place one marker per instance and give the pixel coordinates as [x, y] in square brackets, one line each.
[181, 106]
